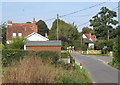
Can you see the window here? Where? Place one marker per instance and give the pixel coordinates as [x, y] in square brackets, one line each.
[20, 34]
[14, 35]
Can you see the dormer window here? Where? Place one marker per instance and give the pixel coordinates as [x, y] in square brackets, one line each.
[20, 34]
[14, 34]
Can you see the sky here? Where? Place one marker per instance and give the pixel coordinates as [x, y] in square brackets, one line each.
[21, 12]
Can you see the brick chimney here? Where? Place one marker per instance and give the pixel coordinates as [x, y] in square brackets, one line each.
[9, 23]
[34, 25]
[34, 22]
[46, 35]
[90, 35]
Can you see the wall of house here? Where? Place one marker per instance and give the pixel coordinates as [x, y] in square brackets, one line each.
[91, 45]
[84, 36]
[36, 38]
[45, 48]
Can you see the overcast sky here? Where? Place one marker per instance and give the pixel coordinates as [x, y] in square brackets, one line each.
[21, 12]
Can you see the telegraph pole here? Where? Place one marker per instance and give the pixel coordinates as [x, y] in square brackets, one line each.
[108, 34]
[57, 26]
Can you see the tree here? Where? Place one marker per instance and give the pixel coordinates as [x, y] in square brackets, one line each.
[116, 48]
[16, 43]
[4, 33]
[42, 27]
[86, 30]
[68, 33]
[103, 22]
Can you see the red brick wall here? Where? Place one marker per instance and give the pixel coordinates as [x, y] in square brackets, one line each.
[45, 48]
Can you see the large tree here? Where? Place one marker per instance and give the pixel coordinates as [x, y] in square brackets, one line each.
[42, 27]
[103, 22]
[68, 33]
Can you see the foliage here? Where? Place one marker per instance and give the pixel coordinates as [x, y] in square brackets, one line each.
[83, 47]
[1, 46]
[29, 70]
[28, 22]
[115, 65]
[4, 35]
[68, 33]
[10, 55]
[78, 75]
[102, 22]
[17, 43]
[42, 27]
[116, 51]
[41, 72]
[65, 55]
[86, 30]
[99, 44]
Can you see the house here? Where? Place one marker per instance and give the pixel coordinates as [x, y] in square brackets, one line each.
[89, 40]
[20, 29]
[44, 46]
[36, 37]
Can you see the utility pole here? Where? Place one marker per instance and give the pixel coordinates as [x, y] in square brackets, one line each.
[57, 26]
[108, 34]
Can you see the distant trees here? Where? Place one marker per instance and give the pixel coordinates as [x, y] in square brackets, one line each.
[42, 27]
[103, 22]
[86, 30]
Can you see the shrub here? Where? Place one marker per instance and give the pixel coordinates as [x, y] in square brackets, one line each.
[9, 55]
[116, 51]
[65, 55]
[16, 43]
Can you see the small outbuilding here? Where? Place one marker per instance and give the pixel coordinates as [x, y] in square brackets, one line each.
[44, 46]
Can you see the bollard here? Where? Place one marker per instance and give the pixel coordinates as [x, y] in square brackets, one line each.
[81, 65]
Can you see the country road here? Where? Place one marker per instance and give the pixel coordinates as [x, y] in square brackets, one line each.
[97, 68]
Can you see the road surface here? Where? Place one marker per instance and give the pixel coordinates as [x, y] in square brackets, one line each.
[97, 68]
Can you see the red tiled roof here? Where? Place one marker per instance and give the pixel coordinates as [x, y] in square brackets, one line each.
[91, 36]
[24, 28]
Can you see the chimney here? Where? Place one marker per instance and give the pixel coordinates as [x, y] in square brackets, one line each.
[33, 21]
[46, 35]
[90, 35]
[9, 23]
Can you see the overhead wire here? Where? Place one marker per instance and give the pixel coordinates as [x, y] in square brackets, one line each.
[78, 11]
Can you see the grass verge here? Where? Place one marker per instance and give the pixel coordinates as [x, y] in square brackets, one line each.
[117, 66]
[99, 55]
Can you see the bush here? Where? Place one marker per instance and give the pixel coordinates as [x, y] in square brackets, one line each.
[116, 51]
[16, 43]
[9, 55]
[65, 55]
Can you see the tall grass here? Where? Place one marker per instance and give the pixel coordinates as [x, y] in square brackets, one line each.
[33, 70]
[29, 70]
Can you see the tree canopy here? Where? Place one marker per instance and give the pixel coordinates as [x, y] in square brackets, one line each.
[42, 27]
[86, 30]
[103, 21]
[68, 33]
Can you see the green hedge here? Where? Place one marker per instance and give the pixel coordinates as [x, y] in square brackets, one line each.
[9, 55]
[65, 55]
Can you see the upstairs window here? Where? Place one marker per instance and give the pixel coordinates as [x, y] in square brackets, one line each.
[14, 34]
[20, 34]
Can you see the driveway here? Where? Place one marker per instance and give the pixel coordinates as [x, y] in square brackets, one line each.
[97, 68]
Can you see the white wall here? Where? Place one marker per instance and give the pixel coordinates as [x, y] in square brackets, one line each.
[36, 38]
[84, 36]
[91, 44]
